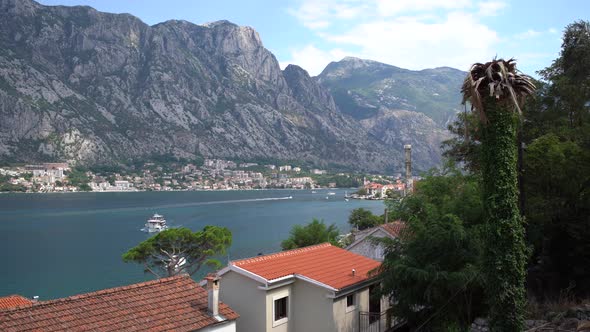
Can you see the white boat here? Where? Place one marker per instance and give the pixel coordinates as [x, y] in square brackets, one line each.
[331, 193]
[156, 223]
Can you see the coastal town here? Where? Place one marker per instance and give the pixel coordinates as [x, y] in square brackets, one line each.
[212, 174]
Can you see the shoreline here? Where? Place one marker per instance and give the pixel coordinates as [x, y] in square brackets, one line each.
[164, 191]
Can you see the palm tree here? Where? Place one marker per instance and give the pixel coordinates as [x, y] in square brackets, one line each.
[496, 91]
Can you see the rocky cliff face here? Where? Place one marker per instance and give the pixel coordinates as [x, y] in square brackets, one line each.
[80, 85]
[397, 105]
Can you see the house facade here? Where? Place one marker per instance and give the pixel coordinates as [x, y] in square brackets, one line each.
[363, 243]
[317, 288]
[168, 304]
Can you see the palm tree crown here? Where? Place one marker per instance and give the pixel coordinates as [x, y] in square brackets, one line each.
[498, 78]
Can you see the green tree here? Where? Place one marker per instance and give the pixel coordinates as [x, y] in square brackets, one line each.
[496, 91]
[315, 232]
[77, 177]
[362, 219]
[432, 271]
[558, 207]
[180, 250]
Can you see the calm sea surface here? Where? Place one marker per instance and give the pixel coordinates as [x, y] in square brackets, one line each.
[56, 245]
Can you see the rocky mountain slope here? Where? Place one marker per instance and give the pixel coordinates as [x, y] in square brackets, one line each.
[81, 85]
[395, 104]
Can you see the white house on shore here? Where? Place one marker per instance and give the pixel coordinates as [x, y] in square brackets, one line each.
[317, 288]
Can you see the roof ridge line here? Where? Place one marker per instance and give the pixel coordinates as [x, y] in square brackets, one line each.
[102, 292]
[281, 254]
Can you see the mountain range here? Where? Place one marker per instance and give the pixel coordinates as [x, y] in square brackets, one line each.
[90, 87]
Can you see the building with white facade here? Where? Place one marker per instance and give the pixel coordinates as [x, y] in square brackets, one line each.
[317, 288]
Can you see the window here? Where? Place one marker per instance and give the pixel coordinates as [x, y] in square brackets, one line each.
[350, 300]
[350, 303]
[281, 309]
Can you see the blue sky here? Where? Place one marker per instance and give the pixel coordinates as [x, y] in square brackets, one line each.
[413, 34]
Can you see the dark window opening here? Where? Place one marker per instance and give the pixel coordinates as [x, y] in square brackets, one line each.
[281, 308]
[350, 300]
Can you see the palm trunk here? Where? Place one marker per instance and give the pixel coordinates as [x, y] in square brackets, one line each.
[505, 253]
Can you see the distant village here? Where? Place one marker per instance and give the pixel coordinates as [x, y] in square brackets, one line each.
[213, 174]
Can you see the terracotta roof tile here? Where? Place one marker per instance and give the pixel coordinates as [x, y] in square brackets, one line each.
[12, 301]
[394, 228]
[175, 303]
[324, 263]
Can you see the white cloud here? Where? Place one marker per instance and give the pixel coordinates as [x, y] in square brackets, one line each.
[552, 30]
[414, 34]
[319, 14]
[313, 59]
[490, 8]
[395, 7]
[530, 33]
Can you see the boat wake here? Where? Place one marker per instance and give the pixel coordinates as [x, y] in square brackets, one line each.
[167, 206]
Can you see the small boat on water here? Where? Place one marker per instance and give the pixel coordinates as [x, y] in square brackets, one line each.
[313, 191]
[156, 223]
[331, 193]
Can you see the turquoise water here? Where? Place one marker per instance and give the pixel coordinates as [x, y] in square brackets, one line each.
[56, 245]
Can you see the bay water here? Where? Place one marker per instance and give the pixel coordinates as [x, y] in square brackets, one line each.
[57, 245]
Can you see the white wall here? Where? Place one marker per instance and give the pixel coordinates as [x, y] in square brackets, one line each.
[347, 320]
[366, 248]
[244, 297]
[273, 294]
[312, 308]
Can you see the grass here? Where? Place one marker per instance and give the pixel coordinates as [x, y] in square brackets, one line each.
[551, 308]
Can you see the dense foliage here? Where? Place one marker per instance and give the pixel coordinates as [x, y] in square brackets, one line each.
[361, 219]
[505, 253]
[555, 170]
[340, 181]
[77, 177]
[432, 272]
[180, 250]
[315, 232]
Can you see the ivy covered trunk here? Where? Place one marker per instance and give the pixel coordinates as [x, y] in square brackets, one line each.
[505, 253]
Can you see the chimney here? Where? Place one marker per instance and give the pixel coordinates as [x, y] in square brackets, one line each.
[353, 272]
[213, 294]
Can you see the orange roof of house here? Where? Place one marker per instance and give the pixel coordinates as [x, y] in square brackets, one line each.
[394, 228]
[12, 301]
[175, 303]
[323, 263]
[374, 185]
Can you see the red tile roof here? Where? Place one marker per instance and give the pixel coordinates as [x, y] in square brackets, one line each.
[12, 301]
[324, 263]
[175, 303]
[394, 228]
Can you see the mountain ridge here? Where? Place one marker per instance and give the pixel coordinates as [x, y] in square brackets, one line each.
[90, 87]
